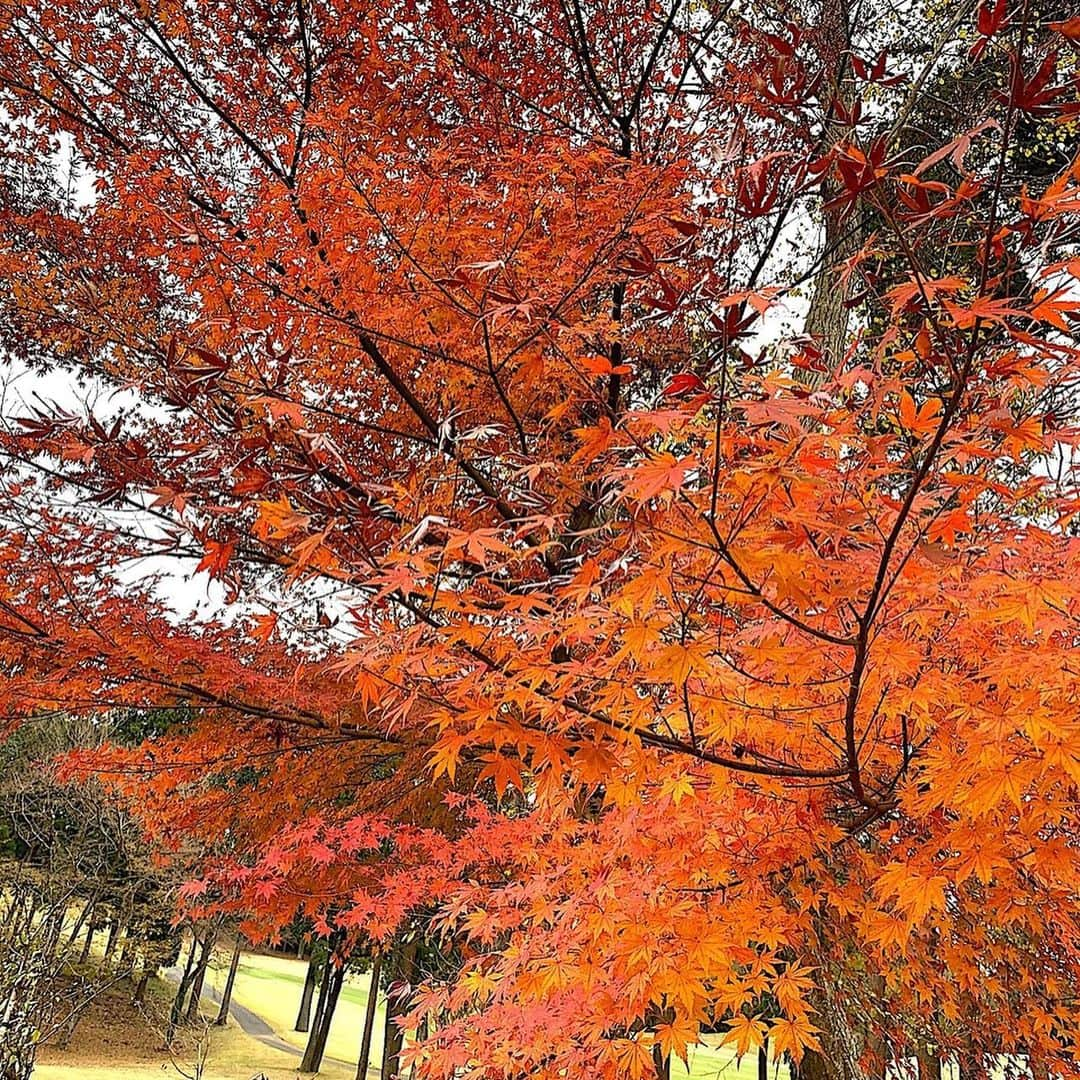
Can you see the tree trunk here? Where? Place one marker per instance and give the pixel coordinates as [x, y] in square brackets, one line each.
[970, 1065]
[828, 316]
[814, 1067]
[110, 941]
[320, 1031]
[324, 989]
[661, 1063]
[86, 918]
[139, 997]
[396, 1006]
[226, 996]
[303, 1017]
[84, 956]
[877, 1047]
[928, 1062]
[56, 932]
[369, 1019]
[200, 975]
[9, 915]
[177, 1010]
[763, 1061]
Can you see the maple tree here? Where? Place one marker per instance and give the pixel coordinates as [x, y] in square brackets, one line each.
[677, 668]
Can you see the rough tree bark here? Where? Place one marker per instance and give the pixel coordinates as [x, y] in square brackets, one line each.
[828, 317]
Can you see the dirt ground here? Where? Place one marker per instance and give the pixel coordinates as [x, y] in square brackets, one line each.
[114, 1030]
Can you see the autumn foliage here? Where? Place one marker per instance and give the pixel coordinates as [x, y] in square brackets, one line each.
[632, 464]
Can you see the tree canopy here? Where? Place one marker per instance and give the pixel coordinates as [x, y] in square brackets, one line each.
[679, 665]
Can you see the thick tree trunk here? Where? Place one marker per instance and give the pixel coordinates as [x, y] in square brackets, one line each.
[842, 1040]
[311, 979]
[814, 1067]
[396, 1006]
[928, 1062]
[369, 1019]
[226, 995]
[139, 997]
[878, 1049]
[320, 1031]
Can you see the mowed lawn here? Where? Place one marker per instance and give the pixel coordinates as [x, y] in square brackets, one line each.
[270, 987]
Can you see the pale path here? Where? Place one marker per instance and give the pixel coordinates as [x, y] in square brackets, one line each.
[252, 1024]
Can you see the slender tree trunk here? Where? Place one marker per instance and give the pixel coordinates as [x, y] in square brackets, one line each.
[122, 951]
[396, 1006]
[56, 931]
[200, 975]
[80, 922]
[177, 1010]
[140, 988]
[828, 317]
[226, 996]
[324, 990]
[763, 1061]
[369, 1018]
[320, 1031]
[123, 941]
[110, 941]
[303, 1016]
[661, 1063]
[84, 956]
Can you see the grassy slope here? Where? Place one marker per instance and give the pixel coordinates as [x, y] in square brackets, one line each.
[114, 1041]
[270, 986]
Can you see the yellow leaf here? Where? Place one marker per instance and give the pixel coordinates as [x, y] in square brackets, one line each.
[746, 1032]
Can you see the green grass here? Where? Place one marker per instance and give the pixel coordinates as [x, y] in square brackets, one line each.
[270, 987]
